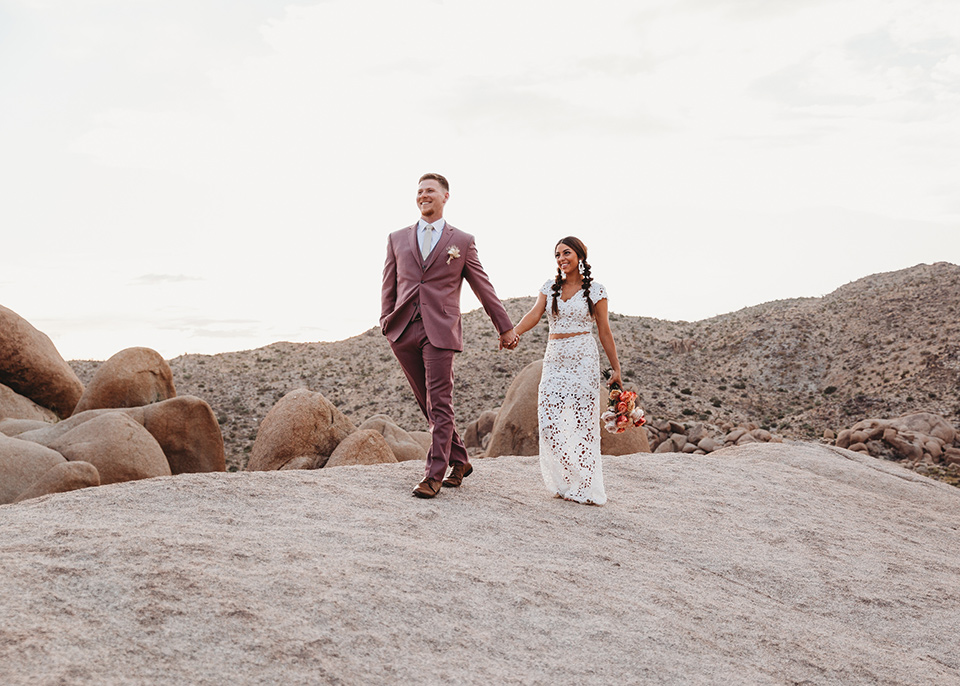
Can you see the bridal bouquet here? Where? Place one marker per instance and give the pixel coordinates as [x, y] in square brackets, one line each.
[622, 411]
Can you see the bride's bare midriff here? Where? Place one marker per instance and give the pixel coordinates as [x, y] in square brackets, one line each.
[555, 336]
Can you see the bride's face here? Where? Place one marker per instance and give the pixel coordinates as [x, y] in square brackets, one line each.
[567, 259]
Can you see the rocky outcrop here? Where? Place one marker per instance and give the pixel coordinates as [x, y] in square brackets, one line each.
[516, 430]
[22, 464]
[403, 445]
[31, 366]
[15, 427]
[302, 423]
[778, 564]
[362, 447]
[132, 378]
[185, 428]
[924, 441]
[15, 406]
[670, 436]
[120, 448]
[62, 478]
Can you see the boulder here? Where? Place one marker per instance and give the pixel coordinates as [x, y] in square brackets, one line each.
[707, 444]
[22, 464]
[403, 445]
[633, 440]
[423, 438]
[516, 430]
[120, 448]
[132, 378]
[364, 446]
[14, 427]
[302, 462]
[185, 427]
[15, 406]
[187, 431]
[31, 366]
[302, 423]
[928, 424]
[61, 478]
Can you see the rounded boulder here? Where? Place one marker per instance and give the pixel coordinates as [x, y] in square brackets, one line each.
[31, 366]
[132, 378]
[516, 430]
[119, 447]
[15, 406]
[22, 464]
[62, 478]
[302, 423]
[362, 447]
[403, 445]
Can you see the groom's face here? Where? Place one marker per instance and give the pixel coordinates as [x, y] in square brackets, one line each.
[431, 198]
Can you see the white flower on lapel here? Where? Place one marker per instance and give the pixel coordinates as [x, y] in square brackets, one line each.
[453, 254]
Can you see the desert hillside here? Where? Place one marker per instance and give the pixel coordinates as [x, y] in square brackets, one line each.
[758, 564]
[881, 346]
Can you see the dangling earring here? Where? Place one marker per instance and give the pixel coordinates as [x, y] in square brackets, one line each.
[580, 266]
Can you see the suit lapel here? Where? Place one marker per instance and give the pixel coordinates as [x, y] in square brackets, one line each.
[440, 247]
[414, 244]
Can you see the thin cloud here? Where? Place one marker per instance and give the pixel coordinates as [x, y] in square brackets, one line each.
[157, 279]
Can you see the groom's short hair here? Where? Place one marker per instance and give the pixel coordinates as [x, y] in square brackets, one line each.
[438, 178]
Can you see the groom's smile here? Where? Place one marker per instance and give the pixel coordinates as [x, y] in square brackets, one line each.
[430, 199]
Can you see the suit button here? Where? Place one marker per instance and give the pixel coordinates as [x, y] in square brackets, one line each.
[421, 282]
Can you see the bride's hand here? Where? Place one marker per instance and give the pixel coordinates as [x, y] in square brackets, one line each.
[615, 379]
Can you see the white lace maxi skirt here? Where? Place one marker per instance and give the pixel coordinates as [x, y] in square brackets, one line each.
[568, 409]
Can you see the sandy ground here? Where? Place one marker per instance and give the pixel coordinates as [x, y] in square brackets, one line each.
[766, 564]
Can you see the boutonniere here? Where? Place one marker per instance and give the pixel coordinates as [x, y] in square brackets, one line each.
[453, 254]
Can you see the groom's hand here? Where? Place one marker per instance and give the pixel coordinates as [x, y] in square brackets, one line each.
[509, 340]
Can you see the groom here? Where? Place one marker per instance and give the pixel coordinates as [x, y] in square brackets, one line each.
[420, 316]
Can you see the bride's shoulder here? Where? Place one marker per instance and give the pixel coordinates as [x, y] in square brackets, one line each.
[597, 291]
[547, 287]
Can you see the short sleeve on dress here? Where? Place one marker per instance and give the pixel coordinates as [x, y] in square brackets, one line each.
[547, 287]
[597, 292]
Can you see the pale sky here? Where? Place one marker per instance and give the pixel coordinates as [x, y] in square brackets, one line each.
[206, 176]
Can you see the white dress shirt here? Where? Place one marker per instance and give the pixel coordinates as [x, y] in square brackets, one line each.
[437, 230]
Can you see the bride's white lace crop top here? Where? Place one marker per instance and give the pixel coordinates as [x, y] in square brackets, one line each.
[574, 316]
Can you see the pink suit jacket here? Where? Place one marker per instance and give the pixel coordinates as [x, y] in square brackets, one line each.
[435, 285]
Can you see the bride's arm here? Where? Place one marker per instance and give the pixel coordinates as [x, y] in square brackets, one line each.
[531, 318]
[606, 340]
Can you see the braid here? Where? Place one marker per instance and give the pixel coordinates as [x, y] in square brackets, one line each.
[557, 285]
[587, 280]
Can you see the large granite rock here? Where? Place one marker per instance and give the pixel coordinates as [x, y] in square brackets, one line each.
[403, 445]
[120, 448]
[362, 447]
[15, 406]
[131, 378]
[62, 478]
[185, 427]
[767, 564]
[302, 423]
[22, 464]
[32, 367]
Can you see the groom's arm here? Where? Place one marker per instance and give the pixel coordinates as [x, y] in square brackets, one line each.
[388, 289]
[480, 284]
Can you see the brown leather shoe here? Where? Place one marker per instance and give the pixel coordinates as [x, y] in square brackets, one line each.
[457, 473]
[427, 488]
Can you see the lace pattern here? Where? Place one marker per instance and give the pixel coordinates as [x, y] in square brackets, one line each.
[568, 410]
[574, 316]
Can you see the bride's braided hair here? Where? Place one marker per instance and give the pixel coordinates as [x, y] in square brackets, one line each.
[581, 250]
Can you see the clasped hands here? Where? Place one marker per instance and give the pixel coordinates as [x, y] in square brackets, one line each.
[509, 340]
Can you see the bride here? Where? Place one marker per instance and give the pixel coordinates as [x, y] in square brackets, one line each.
[569, 396]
